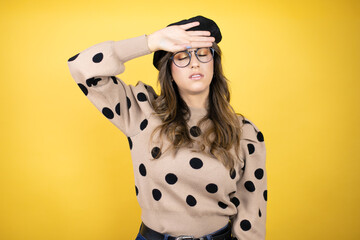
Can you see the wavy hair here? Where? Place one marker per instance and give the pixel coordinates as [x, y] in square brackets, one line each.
[224, 127]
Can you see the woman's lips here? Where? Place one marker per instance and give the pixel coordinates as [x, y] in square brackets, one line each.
[196, 76]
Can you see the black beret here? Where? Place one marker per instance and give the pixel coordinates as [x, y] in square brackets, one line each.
[206, 24]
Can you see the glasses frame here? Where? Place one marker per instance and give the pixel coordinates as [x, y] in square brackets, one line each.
[190, 55]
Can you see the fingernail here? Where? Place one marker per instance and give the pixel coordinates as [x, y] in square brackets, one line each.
[188, 47]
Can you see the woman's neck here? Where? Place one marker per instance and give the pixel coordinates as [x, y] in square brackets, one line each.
[196, 100]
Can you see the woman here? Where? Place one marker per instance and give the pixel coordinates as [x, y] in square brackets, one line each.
[199, 168]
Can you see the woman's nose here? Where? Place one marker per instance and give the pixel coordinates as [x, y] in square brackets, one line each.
[194, 62]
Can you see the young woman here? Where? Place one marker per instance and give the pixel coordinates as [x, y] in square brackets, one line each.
[199, 167]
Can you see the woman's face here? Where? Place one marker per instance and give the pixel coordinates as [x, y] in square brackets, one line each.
[195, 78]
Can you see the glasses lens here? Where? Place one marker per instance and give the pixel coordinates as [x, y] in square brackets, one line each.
[204, 55]
[181, 59]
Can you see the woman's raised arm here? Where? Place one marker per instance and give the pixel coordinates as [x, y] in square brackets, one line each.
[95, 70]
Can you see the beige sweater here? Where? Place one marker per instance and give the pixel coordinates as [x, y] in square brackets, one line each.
[187, 193]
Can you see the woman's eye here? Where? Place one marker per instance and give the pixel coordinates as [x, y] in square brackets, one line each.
[182, 57]
[203, 53]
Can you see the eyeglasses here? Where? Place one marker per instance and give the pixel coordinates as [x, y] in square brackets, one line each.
[183, 58]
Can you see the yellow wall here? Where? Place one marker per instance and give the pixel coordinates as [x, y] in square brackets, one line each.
[65, 170]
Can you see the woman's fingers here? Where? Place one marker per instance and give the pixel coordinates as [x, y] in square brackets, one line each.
[199, 44]
[181, 47]
[176, 38]
[202, 39]
[194, 42]
[189, 25]
[198, 33]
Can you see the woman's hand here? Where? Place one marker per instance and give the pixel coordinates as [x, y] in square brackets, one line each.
[176, 38]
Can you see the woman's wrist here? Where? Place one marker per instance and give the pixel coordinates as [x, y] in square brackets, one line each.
[150, 42]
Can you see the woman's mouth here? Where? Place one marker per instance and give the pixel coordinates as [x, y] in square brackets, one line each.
[196, 76]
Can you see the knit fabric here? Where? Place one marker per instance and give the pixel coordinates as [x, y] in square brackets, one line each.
[187, 193]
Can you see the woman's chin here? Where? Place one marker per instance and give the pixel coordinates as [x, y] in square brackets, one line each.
[197, 90]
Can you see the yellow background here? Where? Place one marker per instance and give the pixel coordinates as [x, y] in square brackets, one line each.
[65, 170]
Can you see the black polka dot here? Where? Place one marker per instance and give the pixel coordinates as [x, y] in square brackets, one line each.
[265, 195]
[73, 57]
[146, 86]
[117, 109]
[259, 213]
[251, 148]
[136, 190]
[171, 178]
[212, 188]
[222, 205]
[143, 124]
[92, 81]
[243, 168]
[232, 173]
[128, 102]
[156, 194]
[156, 152]
[259, 173]
[108, 113]
[190, 200]
[260, 137]
[245, 225]
[235, 201]
[249, 185]
[195, 131]
[245, 121]
[83, 89]
[232, 192]
[130, 143]
[89, 81]
[98, 57]
[142, 170]
[196, 163]
[114, 79]
[141, 97]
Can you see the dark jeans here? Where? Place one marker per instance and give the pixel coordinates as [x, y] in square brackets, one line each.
[139, 237]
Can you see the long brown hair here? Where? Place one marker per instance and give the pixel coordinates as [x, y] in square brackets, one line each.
[224, 127]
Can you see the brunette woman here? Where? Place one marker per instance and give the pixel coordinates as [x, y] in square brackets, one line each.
[199, 167]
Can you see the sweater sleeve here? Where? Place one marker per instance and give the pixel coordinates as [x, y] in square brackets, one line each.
[95, 70]
[251, 195]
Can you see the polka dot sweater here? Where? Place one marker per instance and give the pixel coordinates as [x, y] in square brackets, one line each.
[183, 193]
